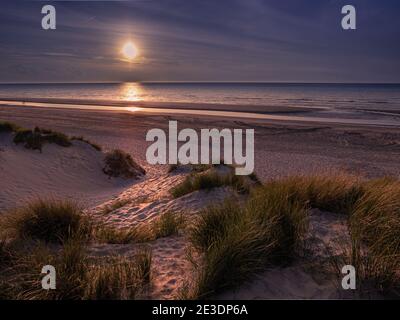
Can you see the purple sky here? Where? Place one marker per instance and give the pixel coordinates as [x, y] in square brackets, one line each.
[201, 40]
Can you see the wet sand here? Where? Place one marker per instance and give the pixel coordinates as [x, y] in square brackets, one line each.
[293, 114]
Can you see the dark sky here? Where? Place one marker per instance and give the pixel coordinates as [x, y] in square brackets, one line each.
[201, 40]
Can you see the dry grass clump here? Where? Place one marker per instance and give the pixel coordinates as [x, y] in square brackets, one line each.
[334, 193]
[5, 252]
[210, 180]
[119, 278]
[5, 259]
[77, 276]
[120, 164]
[48, 221]
[29, 138]
[55, 233]
[35, 139]
[375, 230]
[373, 208]
[166, 225]
[236, 241]
[51, 136]
[6, 126]
[23, 276]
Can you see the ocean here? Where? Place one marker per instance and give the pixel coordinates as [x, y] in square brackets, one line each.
[379, 97]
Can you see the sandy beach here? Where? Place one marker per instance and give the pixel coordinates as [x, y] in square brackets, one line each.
[283, 149]
[369, 149]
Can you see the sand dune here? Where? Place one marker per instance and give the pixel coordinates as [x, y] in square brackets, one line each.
[76, 173]
[62, 173]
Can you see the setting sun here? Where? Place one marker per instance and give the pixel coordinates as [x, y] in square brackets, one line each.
[129, 50]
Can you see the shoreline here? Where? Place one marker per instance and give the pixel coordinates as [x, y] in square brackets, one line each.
[252, 108]
[248, 113]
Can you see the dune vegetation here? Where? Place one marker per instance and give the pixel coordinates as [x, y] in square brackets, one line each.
[36, 138]
[229, 243]
[168, 224]
[120, 164]
[57, 233]
[6, 126]
[211, 178]
[117, 163]
[48, 221]
[238, 239]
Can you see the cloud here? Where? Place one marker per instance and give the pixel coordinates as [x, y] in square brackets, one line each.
[235, 40]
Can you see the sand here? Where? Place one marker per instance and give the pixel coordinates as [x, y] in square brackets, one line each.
[60, 173]
[282, 149]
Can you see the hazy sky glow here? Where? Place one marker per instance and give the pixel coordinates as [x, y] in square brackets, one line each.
[201, 40]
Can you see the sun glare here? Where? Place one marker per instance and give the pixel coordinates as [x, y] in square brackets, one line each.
[129, 50]
[131, 92]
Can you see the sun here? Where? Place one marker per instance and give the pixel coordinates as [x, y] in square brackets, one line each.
[129, 50]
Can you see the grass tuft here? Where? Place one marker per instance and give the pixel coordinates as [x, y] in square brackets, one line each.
[119, 278]
[24, 277]
[6, 126]
[138, 234]
[334, 193]
[29, 138]
[120, 164]
[48, 221]
[237, 241]
[57, 234]
[78, 277]
[35, 139]
[167, 225]
[375, 230]
[51, 136]
[210, 180]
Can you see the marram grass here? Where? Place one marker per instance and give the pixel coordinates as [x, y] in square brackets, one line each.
[236, 240]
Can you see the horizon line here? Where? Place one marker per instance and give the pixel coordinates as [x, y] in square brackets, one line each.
[201, 82]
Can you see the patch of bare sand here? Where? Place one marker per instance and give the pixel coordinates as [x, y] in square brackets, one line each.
[151, 198]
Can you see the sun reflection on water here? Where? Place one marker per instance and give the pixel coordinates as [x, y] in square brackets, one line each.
[131, 92]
